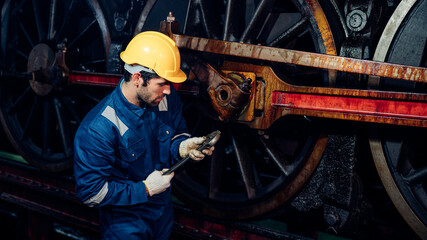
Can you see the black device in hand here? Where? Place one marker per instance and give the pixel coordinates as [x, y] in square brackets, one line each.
[210, 140]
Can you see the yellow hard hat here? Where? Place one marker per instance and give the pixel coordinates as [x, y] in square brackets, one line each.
[157, 52]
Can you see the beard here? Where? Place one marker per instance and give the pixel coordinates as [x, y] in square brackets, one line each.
[146, 101]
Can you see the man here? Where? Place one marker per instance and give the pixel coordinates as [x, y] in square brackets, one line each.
[126, 141]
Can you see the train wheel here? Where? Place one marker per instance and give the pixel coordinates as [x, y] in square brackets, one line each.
[254, 172]
[39, 111]
[399, 152]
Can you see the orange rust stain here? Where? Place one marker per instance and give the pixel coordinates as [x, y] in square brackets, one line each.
[323, 25]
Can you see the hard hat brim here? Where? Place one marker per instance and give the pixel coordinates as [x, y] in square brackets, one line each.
[137, 68]
[178, 78]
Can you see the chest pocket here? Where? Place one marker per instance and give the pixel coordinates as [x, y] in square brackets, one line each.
[165, 133]
[127, 164]
[164, 137]
[133, 151]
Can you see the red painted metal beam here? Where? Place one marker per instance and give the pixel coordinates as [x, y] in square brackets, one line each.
[379, 107]
[111, 80]
[358, 108]
[98, 79]
[410, 110]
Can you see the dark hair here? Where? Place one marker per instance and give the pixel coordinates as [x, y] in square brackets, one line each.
[146, 76]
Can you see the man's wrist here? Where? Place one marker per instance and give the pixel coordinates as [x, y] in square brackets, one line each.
[146, 189]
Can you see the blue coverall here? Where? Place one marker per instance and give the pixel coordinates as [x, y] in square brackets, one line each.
[117, 146]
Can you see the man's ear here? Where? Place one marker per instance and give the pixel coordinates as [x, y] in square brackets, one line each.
[135, 78]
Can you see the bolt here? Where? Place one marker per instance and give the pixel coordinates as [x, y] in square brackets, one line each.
[332, 219]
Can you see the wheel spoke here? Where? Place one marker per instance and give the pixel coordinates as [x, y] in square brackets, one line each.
[30, 118]
[246, 165]
[290, 33]
[14, 105]
[233, 15]
[82, 33]
[89, 96]
[396, 146]
[38, 20]
[215, 171]
[52, 15]
[65, 19]
[257, 21]
[19, 52]
[69, 105]
[417, 176]
[201, 19]
[45, 128]
[63, 133]
[24, 30]
[93, 62]
[279, 160]
[209, 25]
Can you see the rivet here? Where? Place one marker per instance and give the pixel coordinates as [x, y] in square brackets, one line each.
[167, 131]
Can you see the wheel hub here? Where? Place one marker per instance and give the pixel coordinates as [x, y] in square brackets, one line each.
[40, 60]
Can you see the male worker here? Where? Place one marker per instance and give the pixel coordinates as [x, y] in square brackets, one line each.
[125, 143]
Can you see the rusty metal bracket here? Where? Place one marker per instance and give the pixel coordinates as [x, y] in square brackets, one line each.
[228, 97]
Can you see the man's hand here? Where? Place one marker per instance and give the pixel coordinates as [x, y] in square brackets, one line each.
[189, 146]
[157, 183]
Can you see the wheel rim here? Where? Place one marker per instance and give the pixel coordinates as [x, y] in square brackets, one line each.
[40, 118]
[399, 152]
[244, 180]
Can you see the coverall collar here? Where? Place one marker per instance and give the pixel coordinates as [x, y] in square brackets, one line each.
[137, 111]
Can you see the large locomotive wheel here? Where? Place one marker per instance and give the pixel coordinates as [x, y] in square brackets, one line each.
[399, 152]
[254, 172]
[39, 111]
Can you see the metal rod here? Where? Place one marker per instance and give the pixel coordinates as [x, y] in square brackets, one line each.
[317, 60]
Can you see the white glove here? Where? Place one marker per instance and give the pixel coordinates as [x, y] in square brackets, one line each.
[157, 183]
[188, 147]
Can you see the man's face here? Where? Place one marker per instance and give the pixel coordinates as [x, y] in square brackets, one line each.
[153, 93]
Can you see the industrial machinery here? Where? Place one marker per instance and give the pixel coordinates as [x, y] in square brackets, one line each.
[294, 87]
